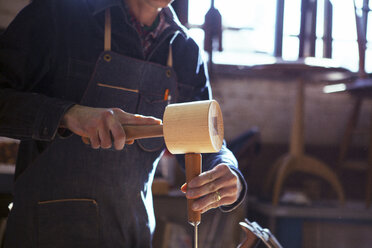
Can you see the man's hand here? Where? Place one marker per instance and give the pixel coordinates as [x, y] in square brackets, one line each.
[103, 125]
[214, 188]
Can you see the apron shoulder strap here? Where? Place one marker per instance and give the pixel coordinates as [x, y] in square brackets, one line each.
[107, 30]
[170, 57]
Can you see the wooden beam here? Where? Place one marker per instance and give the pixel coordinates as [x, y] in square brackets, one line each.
[278, 46]
[327, 36]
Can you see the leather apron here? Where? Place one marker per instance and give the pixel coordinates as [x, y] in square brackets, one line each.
[76, 196]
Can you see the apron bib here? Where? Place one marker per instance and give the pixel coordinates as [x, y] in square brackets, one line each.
[75, 196]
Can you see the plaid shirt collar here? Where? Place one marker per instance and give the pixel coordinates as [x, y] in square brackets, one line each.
[147, 34]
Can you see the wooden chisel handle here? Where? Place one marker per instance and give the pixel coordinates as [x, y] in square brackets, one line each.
[134, 132]
[193, 163]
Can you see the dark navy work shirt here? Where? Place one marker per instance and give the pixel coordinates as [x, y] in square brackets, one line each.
[48, 54]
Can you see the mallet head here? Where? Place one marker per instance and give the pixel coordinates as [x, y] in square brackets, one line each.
[193, 127]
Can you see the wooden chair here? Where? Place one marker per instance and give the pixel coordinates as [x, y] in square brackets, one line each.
[301, 72]
[360, 89]
[305, 70]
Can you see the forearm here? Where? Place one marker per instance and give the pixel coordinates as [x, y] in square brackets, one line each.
[26, 115]
[220, 175]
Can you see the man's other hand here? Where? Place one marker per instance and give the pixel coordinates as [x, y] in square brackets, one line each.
[213, 188]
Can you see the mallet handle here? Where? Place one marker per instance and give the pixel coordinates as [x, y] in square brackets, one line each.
[193, 163]
[134, 132]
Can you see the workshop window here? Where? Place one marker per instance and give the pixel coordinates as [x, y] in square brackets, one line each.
[344, 45]
[255, 30]
[247, 29]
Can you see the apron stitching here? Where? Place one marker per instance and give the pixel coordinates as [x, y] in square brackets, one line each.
[117, 87]
[67, 200]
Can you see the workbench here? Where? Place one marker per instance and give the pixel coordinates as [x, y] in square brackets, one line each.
[323, 224]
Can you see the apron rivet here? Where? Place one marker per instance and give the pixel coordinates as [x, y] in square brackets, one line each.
[168, 73]
[107, 57]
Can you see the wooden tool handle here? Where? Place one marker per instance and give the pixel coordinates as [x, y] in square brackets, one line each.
[193, 163]
[134, 132]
